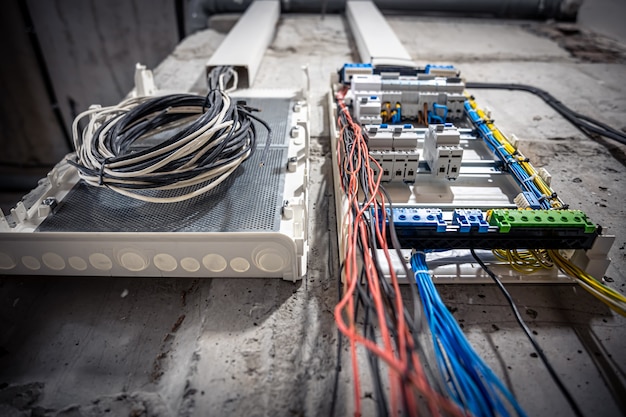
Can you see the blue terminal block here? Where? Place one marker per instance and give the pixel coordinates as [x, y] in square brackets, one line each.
[430, 67]
[407, 218]
[419, 217]
[350, 69]
[470, 219]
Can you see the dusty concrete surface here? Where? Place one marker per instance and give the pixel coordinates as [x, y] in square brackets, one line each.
[179, 347]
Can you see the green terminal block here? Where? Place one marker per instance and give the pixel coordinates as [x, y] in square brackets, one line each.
[508, 219]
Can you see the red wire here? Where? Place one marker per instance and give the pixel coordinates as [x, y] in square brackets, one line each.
[406, 373]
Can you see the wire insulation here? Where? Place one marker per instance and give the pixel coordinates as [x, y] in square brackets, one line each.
[469, 381]
[530, 337]
[371, 296]
[609, 296]
[585, 124]
[206, 140]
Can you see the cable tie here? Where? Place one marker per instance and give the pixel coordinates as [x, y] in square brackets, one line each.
[205, 105]
[101, 178]
[500, 146]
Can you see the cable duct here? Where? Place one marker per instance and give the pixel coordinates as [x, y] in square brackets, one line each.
[564, 10]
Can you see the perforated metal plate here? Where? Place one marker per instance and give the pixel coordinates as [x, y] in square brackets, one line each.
[249, 200]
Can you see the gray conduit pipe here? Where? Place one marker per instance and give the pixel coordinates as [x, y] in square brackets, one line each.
[564, 10]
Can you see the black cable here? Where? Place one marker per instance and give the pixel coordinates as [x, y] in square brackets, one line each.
[213, 136]
[370, 332]
[585, 124]
[395, 243]
[363, 297]
[415, 323]
[349, 157]
[363, 294]
[147, 117]
[530, 337]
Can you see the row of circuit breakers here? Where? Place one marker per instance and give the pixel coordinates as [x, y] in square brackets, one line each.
[381, 101]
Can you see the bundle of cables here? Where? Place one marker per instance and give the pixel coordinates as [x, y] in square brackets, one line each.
[525, 261]
[390, 331]
[207, 139]
[609, 296]
[585, 124]
[515, 162]
[469, 381]
[528, 261]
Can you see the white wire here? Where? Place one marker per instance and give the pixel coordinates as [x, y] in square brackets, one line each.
[196, 144]
[235, 80]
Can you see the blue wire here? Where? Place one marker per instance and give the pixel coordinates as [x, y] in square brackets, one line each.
[468, 380]
[450, 332]
[456, 355]
[521, 176]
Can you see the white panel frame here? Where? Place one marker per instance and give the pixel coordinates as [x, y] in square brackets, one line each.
[281, 254]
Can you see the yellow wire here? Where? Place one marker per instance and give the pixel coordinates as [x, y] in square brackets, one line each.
[612, 298]
[528, 261]
[524, 261]
[508, 147]
[533, 260]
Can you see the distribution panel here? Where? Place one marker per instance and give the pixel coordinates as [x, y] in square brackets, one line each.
[487, 193]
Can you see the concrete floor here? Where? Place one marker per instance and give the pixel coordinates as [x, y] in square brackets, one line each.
[180, 347]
